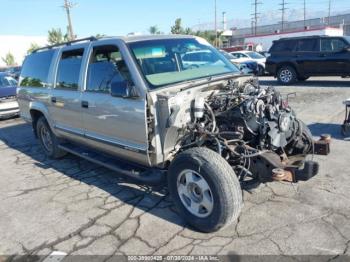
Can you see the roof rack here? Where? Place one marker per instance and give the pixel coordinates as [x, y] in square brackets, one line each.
[91, 38]
[301, 37]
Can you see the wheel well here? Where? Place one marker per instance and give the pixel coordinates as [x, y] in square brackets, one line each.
[35, 114]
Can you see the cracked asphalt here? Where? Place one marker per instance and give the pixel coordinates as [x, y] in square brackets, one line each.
[77, 207]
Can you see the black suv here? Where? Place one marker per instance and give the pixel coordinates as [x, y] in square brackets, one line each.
[296, 59]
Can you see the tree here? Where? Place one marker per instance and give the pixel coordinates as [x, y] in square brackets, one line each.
[100, 35]
[55, 36]
[9, 59]
[33, 46]
[188, 31]
[153, 30]
[177, 28]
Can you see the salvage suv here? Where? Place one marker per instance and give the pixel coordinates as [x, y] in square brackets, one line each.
[130, 104]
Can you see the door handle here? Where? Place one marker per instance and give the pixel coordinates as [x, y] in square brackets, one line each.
[53, 99]
[85, 104]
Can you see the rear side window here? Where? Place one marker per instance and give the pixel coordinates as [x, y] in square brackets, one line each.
[36, 68]
[69, 69]
[332, 45]
[283, 46]
[307, 45]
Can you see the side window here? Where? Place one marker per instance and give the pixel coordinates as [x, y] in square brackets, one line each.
[36, 68]
[69, 69]
[283, 46]
[332, 45]
[106, 66]
[307, 45]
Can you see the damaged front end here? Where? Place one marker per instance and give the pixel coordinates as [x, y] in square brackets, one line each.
[255, 130]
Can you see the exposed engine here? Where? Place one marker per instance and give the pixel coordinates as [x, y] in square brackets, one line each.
[245, 123]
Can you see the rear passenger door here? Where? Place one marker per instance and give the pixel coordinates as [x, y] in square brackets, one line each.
[65, 98]
[308, 56]
[114, 125]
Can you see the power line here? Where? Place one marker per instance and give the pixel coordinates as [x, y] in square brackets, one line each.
[329, 11]
[255, 16]
[304, 14]
[216, 24]
[283, 10]
[68, 6]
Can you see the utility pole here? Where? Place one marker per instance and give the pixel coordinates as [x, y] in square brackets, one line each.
[255, 16]
[69, 5]
[224, 22]
[283, 10]
[216, 24]
[329, 11]
[304, 14]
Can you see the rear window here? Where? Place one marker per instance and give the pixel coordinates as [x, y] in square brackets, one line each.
[36, 68]
[283, 46]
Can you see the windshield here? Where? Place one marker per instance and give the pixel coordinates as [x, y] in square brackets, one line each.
[255, 55]
[7, 81]
[171, 61]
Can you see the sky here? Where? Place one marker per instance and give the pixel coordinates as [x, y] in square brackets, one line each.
[120, 17]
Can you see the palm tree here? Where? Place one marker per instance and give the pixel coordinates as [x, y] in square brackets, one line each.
[33, 46]
[9, 59]
[153, 30]
[55, 36]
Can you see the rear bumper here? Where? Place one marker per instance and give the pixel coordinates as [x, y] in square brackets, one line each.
[8, 109]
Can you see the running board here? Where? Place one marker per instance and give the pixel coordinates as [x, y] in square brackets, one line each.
[145, 176]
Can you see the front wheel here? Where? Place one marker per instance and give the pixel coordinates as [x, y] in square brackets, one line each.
[205, 189]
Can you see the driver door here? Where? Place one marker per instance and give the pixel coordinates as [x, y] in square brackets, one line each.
[333, 59]
[114, 125]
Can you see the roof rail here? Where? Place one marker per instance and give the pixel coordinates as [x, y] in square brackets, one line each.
[91, 38]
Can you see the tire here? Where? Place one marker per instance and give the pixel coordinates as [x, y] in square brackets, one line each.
[287, 75]
[47, 140]
[303, 78]
[217, 183]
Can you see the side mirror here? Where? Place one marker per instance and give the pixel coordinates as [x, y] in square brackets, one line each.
[346, 48]
[122, 89]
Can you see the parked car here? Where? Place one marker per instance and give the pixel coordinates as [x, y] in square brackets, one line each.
[247, 67]
[264, 53]
[195, 59]
[130, 104]
[296, 59]
[14, 71]
[242, 56]
[8, 103]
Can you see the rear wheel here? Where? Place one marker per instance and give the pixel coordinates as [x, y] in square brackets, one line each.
[286, 75]
[48, 141]
[205, 189]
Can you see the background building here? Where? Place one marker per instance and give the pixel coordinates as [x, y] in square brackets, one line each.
[18, 46]
[342, 21]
